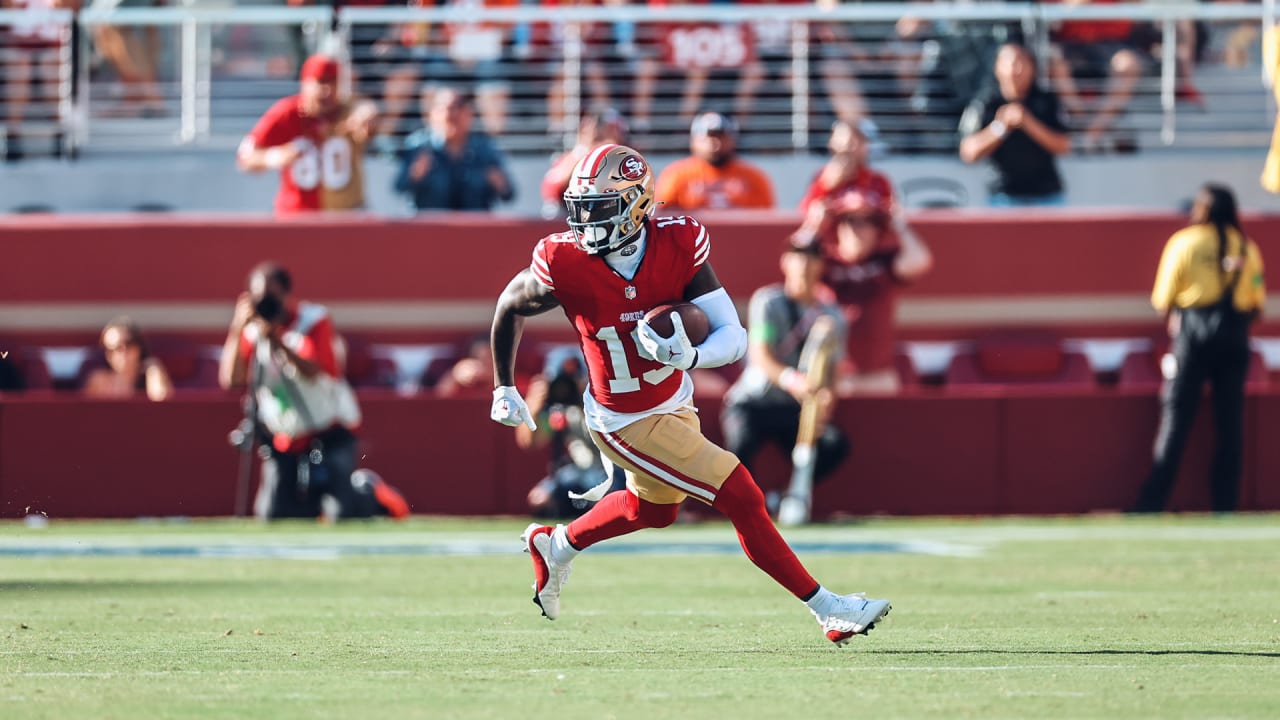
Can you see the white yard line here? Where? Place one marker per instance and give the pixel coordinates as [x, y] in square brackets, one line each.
[927, 538]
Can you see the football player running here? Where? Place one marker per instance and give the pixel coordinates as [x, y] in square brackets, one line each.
[616, 262]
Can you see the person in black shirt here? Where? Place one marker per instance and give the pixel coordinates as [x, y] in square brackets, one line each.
[1019, 126]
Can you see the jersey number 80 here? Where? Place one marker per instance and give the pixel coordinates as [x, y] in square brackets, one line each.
[329, 164]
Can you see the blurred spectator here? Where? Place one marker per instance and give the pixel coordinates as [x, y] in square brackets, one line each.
[1209, 288]
[134, 53]
[449, 166]
[282, 350]
[1101, 53]
[700, 56]
[606, 53]
[1019, 126]
[477, 58]
[317, 142]
[714, 177]
[29, 71]
[763, 405]
[874, 256]
[575, 466]
[846, 170]
[392, 59]
[871, 253]
[955, 61]
[606, 127]
[685, 54]
[838, 53]
[472, 374]
[131, 368]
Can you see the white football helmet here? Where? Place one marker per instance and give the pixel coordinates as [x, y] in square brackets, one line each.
[610, 194]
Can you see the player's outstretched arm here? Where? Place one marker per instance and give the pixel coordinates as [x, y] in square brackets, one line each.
[524, 296]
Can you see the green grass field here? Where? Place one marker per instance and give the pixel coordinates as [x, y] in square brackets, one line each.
[1077, 617]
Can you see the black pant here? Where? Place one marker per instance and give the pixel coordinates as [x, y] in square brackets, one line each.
[1209, 349]
[749, 425]
[293, 484]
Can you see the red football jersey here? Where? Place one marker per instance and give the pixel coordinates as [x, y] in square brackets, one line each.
[604, 307]
[327, 175]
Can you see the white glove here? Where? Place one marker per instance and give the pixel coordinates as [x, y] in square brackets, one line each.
[510, 409]
[675, 351]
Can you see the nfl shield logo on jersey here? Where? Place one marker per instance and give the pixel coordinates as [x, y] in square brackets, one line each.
[630, 292]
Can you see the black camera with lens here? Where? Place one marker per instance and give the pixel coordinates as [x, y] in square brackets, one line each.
[269, 307]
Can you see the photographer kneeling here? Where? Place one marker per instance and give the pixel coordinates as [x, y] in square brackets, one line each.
[282, 350]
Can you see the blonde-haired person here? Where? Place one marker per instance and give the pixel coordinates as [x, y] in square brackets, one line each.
[131, 368]
[1209, 288]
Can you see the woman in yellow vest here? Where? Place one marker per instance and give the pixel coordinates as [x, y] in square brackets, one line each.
[1209, 287]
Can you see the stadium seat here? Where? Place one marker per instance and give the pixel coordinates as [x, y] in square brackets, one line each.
[406, 366]
[907, 374]
[1107, 355]
[928, 361]
[1021, 360]
[205, 374]
[1268, 349]
[64, 367]
[180, 357]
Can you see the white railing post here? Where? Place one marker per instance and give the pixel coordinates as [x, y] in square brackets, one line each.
[572, 82]
[204, 81]
[1268, 22]
[1168, 80]
[66, 77]
[342, 36]
[82, 105]
[800, 86]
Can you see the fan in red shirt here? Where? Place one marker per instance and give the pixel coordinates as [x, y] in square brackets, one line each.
[316, 140]
[871, 254]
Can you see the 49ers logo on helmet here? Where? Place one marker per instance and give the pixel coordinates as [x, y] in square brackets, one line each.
[632, 167]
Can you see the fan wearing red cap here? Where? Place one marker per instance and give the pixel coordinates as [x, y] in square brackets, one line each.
[316, 140]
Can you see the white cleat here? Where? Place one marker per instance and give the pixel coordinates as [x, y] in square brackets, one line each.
[855, 615]
[548, 575]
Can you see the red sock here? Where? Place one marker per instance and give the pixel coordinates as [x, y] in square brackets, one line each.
[618, 513]
[740, 499]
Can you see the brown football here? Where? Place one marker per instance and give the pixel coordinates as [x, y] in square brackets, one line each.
[696, 324]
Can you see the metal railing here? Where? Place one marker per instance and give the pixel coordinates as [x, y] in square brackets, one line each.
[218, 69]
[35, 81]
